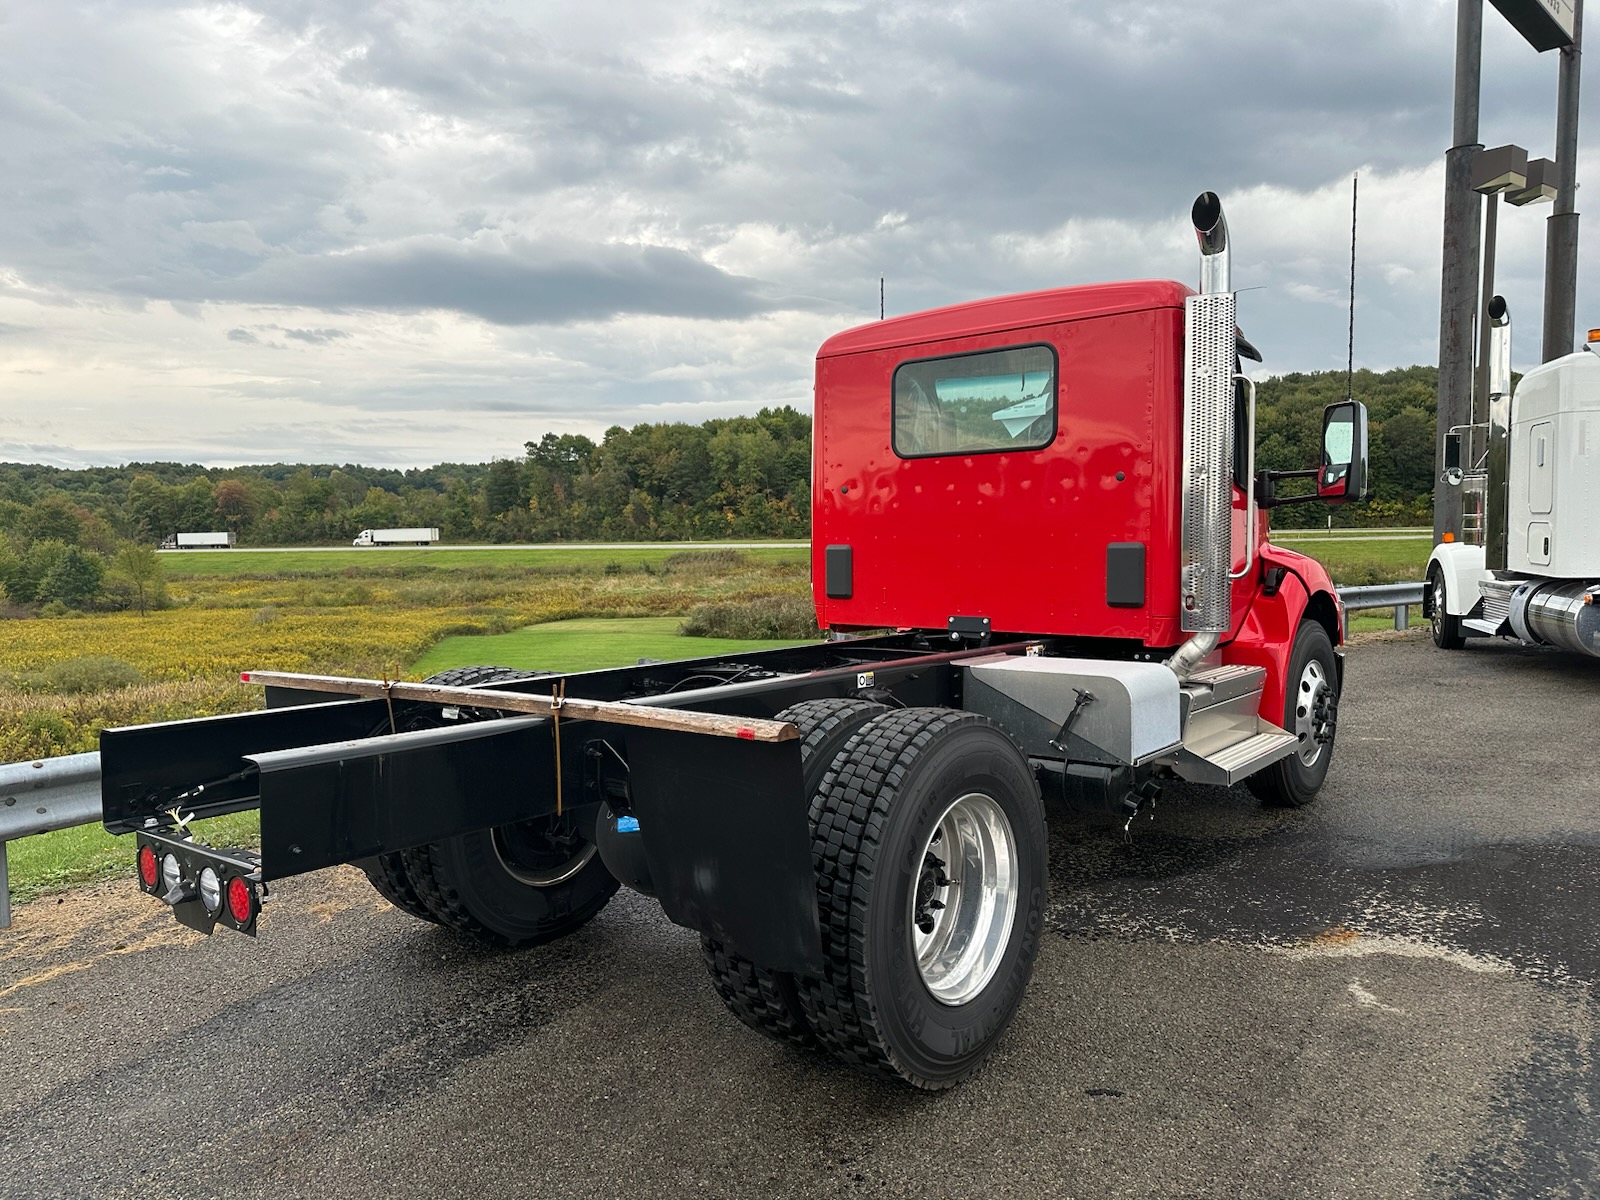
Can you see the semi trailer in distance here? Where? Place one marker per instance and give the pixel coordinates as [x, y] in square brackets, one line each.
[199, 541]
[396, 537]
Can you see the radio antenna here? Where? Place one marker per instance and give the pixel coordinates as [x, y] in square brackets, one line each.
[1350, 362]
[880, 297]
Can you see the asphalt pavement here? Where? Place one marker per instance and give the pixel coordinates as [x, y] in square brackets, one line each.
[1390, 993]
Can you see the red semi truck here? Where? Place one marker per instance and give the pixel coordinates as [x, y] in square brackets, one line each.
[1040, 551]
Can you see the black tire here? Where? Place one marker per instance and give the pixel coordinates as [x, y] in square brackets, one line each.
[1311, 708]
[511, 886]
[388, 876]
[1446, 628]
[490, 885]
[769, 1001]
[387, 872]
[873, 821]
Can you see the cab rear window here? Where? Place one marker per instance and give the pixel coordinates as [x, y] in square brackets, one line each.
[976, 403]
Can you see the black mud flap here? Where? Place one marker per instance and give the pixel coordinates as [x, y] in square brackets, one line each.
[728, 840]
[324, 805]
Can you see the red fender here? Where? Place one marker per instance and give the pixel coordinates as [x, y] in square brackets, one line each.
[1265, 637]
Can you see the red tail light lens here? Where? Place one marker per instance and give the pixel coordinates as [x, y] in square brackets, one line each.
[241, 900]
[149, 871]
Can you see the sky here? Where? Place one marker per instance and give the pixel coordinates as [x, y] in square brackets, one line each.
[416, 231]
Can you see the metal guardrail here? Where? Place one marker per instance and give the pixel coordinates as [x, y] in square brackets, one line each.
[38, 796]
[57, 793]
[1398, 596]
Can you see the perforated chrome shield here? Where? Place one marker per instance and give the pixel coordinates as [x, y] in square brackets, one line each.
[1208, 347]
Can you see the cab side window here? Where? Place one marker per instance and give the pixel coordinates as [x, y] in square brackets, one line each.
[976, 403]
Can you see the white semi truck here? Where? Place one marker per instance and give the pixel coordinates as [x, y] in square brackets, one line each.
[396, 537]
[1527, 565]
[198, 541]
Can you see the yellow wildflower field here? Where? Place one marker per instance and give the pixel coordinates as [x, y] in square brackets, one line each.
[189, 656]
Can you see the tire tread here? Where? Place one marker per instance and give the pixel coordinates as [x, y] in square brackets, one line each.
[768, 1001]
[848, 814]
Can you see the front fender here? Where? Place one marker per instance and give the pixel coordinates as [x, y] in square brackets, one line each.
[1461, 566]
[1265, 638]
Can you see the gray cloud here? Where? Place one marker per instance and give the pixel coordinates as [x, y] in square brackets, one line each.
[506, 281]
[392, 175]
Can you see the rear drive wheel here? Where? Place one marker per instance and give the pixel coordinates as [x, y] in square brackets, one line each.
[930, 848]
[387, 872]
[768, 1001]
[1311, 706]
[1445, 627]
[513, 885]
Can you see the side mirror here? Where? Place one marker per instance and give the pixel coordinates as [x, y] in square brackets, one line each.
[1452, 451]
[1343, 474]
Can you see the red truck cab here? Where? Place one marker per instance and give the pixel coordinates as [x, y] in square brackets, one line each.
[1014, 464]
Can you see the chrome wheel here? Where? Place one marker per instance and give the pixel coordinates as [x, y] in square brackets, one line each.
[1437, 619]
[965, 900]
[1312, 712]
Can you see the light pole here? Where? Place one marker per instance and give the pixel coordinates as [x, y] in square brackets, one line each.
[1561, 230]
[1460, 257]
[1502, 171]
[1545, 25]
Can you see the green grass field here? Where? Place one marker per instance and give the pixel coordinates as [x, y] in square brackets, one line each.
[424, 560]
[1352, 562]
[1372, 556]
[581, 645]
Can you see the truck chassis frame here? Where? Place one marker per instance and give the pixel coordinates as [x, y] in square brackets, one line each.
[340, 777]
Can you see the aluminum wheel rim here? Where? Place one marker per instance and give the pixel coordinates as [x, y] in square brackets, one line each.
[1438, 608]
[540, 877]
[1310, 714]
[965, 900]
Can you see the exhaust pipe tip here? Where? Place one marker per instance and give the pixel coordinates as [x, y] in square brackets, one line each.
[1206, 215]
[1499, 349]
[1211, 228]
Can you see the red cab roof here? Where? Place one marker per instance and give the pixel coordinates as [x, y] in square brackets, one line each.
[1008, 312]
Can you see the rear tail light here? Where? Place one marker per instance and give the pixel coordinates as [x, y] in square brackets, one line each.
[204, 885]
[242, 901]
[149, 869]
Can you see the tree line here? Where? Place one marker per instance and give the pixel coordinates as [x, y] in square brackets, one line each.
[1400, 427]
[69, 536]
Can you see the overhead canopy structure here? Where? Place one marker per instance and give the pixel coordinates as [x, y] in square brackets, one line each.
[1546, 24]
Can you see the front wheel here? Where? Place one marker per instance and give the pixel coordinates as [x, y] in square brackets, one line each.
[1311, 705]
[930, 849]
[1446, 628]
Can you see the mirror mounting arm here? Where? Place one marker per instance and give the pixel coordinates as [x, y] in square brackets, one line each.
[1267, 492]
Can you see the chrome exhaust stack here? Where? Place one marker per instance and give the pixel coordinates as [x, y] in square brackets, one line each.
[1211, 228]
[1210, 337]
[1498, 457]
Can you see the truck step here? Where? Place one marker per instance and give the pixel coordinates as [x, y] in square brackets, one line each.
[1496, 595]
[1227, 682]
[1227, 765]
[1226, 696]
[1479, 625]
